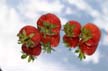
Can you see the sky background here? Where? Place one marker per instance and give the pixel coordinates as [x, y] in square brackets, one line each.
[14, 14]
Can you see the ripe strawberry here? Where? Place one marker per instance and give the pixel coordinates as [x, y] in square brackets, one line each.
[34, 51]
[90, 34]
[49, 42]
[29, 35]
[85, 50]
[71, 41]
[72, 28]
[88, 50]
[55, 40]
[31, 52]
[49, 24]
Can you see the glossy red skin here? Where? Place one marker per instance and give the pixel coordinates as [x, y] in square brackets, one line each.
[95, 32]
[54, 40]
[88, 50]
[77, 29]
[72, 41]
[52, 19]
[34, 51]
[29, 30]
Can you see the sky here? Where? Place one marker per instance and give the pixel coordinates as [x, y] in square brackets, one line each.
[14, 14]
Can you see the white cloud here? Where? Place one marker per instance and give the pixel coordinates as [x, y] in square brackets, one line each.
[69, 11]
[31, 7]
[36, 66]
[101, 22]
[79, 3]
[105, 40]
[100, 19]
[94, 58]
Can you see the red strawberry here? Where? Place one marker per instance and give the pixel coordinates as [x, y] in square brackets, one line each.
[88, 50]
[90, 34]
[85, 50]
[25, 49]
[30, 36]
[72, 28]
[34, 51]
[49, 24]
[55, 40]
[71, 41]
[49, 42]
[31, 52]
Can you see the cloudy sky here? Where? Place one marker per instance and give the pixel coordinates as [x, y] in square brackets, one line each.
[14, 14]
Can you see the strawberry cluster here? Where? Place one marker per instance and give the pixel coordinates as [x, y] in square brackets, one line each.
[86, 37]
[44, 37]
[47, 36]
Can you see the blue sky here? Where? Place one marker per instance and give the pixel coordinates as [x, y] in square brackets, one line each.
[14, 14]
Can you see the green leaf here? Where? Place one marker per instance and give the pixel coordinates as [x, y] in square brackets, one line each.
[24, 32]
[52, 26]
[77, 51]
[87, 38]
[46, 24]
[29, 59]
[68, 29]
[85, 34]
[47, 47]
[23, 56]
[31, 35]
[19, 42]
[30, 43]
[32, 58]
[81, 55]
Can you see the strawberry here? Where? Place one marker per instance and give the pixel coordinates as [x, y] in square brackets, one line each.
[72, 28]
[55, 40]
[89, 39]
[71, 41]
[29, 35]
[49, 42]
[85, 50]
[49, 24]
[88, 50]
[31, 52]
[90, 34]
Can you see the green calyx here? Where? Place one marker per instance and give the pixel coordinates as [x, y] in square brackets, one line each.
[24, 39]
[68, 29]
[85, 34]
[30, 58]
[81, 55]
[47, 28]
[47, 47]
